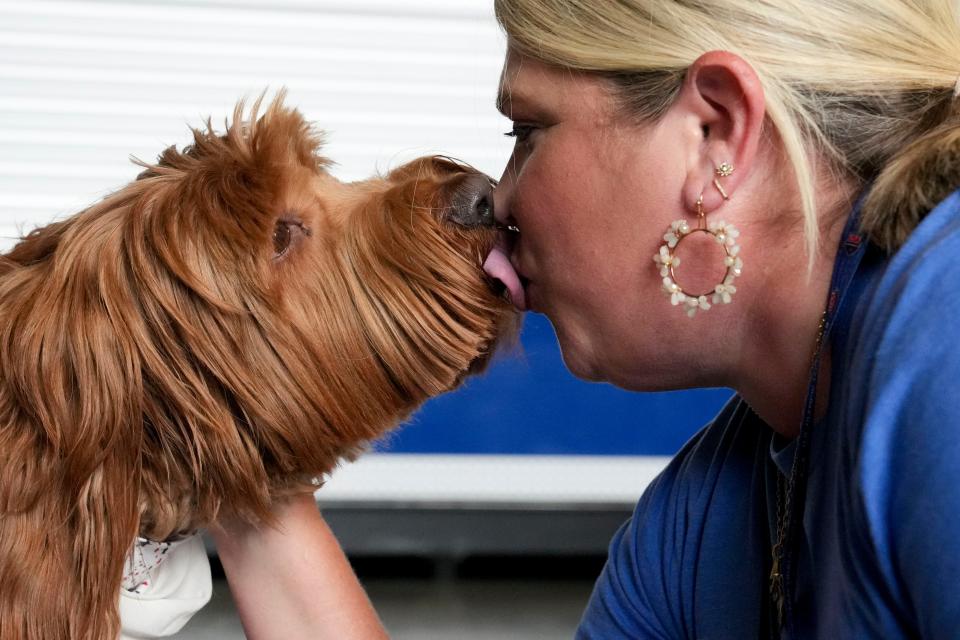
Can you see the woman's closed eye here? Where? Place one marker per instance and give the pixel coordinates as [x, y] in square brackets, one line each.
[521, 132]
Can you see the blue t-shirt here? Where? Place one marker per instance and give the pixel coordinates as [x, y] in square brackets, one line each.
[879, 555]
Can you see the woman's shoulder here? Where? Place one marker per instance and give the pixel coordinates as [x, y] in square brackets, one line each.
[909, 323]
[922, 276]
[906, 358]
[904, 409]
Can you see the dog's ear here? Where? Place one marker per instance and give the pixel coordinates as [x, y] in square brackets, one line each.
[69, 436]
[221, 196]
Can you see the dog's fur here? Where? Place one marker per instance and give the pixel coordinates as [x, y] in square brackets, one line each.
[160, 367]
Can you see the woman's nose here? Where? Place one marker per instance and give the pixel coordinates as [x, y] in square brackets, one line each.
[501, 198]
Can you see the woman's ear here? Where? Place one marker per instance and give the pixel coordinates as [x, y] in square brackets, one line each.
[723, 95]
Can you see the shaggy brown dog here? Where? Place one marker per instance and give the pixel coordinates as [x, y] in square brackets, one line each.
[212, 337]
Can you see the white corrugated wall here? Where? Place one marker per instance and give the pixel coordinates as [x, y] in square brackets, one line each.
[84, 85]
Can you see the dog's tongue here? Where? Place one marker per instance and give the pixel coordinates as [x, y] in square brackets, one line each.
[497, 265]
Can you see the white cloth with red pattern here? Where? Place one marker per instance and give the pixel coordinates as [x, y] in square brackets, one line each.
[164, 584]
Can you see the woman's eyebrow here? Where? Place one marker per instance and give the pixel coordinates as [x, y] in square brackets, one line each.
[508, 99]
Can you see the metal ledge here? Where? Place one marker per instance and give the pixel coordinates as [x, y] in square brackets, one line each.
[457, 531]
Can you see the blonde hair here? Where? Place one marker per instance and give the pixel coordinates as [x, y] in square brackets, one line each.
[867, 84]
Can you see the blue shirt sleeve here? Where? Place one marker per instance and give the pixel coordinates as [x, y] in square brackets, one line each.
[686, 564]
[910, 462]
[634, 596]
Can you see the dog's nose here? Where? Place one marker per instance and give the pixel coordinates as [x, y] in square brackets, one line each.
[473, 202]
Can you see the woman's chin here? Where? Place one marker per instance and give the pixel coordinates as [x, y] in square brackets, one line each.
[578, 359]
[582, 371]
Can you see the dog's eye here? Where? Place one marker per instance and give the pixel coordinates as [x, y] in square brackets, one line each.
[281, 238]
[284, 233]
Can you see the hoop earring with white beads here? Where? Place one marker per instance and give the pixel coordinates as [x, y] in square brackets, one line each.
[726, 236]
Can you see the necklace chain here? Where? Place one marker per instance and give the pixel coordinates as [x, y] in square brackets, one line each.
[785, 490]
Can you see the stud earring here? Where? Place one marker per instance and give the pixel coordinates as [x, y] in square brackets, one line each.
[726, 236]
[725, 170]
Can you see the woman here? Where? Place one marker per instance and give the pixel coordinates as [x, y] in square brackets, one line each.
[745, 194]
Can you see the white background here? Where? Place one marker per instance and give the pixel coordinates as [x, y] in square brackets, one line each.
[85, 85]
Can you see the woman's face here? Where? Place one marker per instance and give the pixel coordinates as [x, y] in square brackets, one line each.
[592, 195]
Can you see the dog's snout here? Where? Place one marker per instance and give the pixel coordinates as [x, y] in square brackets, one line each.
[473, 202]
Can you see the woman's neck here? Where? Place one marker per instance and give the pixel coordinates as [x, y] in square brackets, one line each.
[783, 329]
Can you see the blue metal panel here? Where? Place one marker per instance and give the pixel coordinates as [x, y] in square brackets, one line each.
[531, 404]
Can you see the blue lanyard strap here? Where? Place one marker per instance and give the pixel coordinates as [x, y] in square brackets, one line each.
[849, 256]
